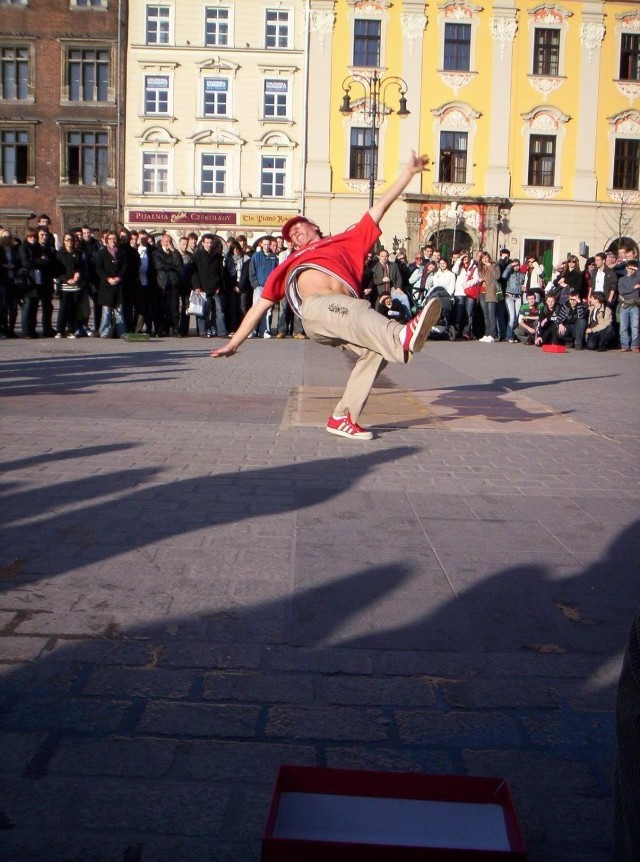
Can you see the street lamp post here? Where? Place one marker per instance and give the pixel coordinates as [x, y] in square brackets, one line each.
[374, 88]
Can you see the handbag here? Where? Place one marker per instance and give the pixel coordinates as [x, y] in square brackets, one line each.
[196, 304]
[473, 291]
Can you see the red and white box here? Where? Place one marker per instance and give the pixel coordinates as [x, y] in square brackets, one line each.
[345, 815]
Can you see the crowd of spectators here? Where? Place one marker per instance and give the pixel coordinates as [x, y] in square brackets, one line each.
[112, 283]
[127, 281]
[509, 300]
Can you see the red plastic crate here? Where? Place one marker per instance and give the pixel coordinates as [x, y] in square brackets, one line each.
[554, 348]
[327, 828]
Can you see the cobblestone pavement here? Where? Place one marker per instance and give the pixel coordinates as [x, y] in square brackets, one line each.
[197, 584]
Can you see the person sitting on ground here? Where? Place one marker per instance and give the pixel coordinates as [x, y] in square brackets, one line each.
[528, 317]
[393, 308]
[572, 320]
[547, 328]
[322, 279]
[600, 333]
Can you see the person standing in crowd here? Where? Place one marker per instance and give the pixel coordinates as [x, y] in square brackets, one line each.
[9, 283]
[533, 277]
[571, 278]
[208, 276]
[186, 273]
[629, 308]
[71, 283]
[604, 279]
[386, 274]
[513, 282]
[572, 320]
[462, 320]
[130, 282]
[29, 274]
[168, 263]
[600, 333]
[111, 267]
[236, 264]
[489, 273]
[45, 275]
[146, 286]
[263, 262]
[89, 247]
[369, 291]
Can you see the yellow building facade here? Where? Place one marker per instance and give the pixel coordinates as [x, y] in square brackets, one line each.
[528, 110]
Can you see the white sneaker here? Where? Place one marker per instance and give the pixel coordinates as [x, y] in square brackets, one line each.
[71, 335]
[59, 335]
[267, 335]
[489, 339]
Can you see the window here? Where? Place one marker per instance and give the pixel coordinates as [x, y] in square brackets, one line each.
[630, 57]
[361, 154]
[277, 28]
[216, 27]
[276, 99]
[88, 75]
[273, 176]
[546, 52]
[14, 81]
[453, 157]
[214, 174]
[156, 94]
[158, 25]
[626, 164]
[88, 4]
[14, 157]
[87, 158]
[13, 2]
[155, 173]
[366, 42]
[542, 160]
[457, 47]
[216, 92]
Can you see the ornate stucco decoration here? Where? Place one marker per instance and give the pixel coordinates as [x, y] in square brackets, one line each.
[322, 23]
[549, 13]
[629, 89]
[459, 10]
[541, 193]
[217, 137]
[455, 115]
[545, 85]
[591, 36]
[626, 123]
[361, 186]
[452, 190]
[543, 119]
[157, 135]
[413, 26]
[503, 31]
[624, 196]
[629, 20]
[370, 8]
[457, 80]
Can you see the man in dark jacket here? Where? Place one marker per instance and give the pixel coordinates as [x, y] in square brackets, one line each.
[130, 283]
[572, 319]
[208, 276]
[168, 264]
[47, 269]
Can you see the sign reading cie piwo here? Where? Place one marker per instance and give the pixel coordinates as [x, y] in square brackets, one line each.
[190, 217]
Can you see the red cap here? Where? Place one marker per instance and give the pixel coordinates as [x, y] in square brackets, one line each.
[286, 227]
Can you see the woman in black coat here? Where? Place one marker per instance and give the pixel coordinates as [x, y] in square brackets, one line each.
[70, 265]
[29, 255]
[111, 268]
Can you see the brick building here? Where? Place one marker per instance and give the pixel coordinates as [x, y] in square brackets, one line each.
[61, 111]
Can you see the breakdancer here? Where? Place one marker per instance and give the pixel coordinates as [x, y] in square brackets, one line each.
[321, 281]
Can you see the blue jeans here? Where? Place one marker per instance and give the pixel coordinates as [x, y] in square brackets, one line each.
[217, 304]
[489, 312]
[629, 326]
[112, 317]
[265, 322]
[513, 308]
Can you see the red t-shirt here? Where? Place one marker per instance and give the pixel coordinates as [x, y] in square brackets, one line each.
[342, 255]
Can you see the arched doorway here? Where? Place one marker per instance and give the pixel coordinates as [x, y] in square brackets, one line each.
[626, 241]
[447, 241]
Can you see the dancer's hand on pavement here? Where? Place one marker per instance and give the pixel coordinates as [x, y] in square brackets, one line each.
[223, 352]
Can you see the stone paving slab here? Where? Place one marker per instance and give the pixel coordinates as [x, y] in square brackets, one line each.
[197, 583]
